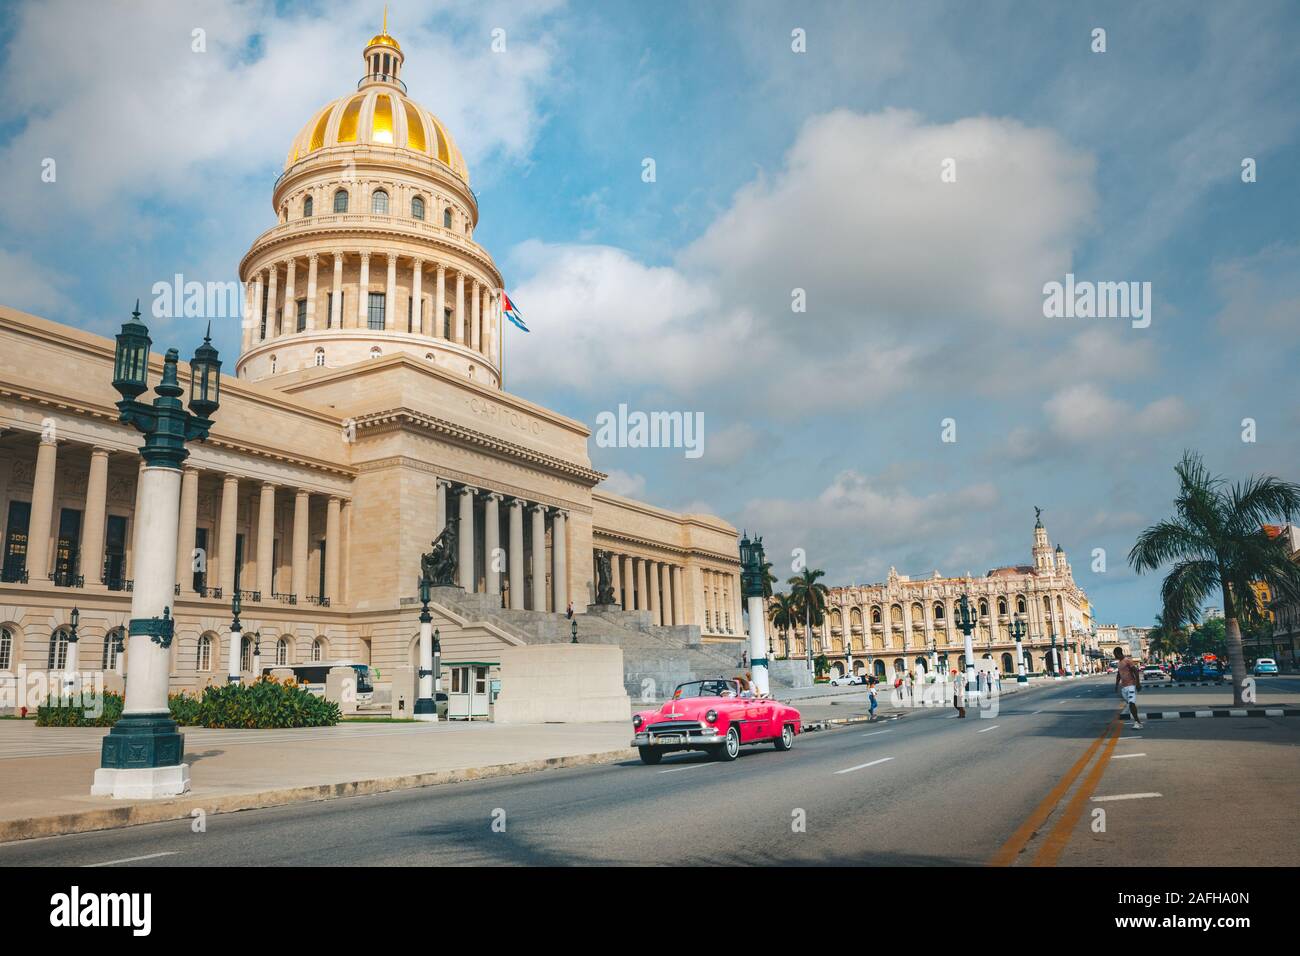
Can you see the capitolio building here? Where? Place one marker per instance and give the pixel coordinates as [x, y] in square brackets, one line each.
[366, 410]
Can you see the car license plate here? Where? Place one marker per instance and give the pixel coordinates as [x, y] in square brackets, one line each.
[669, 739]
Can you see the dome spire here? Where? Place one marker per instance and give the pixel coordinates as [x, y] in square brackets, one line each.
[383, 57]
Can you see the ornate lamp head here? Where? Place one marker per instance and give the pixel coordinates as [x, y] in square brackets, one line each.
[205, 378]
[131, 357]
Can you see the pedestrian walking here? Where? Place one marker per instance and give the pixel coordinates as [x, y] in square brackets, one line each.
[871, 697]
[569, 612]
[1128, 679]
[958, 694]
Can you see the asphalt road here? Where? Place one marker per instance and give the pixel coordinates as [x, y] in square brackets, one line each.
[926, 789]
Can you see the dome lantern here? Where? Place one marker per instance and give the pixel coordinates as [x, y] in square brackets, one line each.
[383, 58]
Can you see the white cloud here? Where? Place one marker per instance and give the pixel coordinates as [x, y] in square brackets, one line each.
[1084, 412]
[624, 483]
[30, 287]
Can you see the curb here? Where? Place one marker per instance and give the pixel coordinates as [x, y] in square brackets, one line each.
[135, 814]
[1225, 712]
[1204, 683]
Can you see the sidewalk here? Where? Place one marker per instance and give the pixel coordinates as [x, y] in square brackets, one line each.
[45, 772]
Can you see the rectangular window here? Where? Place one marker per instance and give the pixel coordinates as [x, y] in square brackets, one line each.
[410, 314]
[200, 563]
[302, 315]
[115, 553]
[320, 585]
[275, 568]
[239, 560]
[265, 306]
[279, 321]
[20, 513]
[375, 315]
[66, 553]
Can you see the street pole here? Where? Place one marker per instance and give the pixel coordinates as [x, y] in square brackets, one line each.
[966, 622]
[233, 673]
[1056, 660]
[70, 665]
[1018, 632]
[751, 583]
[425, 708]
[141, 756]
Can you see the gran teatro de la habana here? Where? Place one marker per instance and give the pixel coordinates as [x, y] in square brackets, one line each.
[366, 410]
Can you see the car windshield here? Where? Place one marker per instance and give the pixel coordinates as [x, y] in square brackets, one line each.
[707, 688]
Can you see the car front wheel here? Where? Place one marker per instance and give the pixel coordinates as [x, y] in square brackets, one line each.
[650, 755]
[730, 748]
[786, 740]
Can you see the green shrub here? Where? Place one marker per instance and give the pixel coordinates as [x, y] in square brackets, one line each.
[184, 708]
[264, 704]
[101, 711]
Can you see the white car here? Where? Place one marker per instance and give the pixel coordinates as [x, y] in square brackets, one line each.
[1153, 673]
[847, 680]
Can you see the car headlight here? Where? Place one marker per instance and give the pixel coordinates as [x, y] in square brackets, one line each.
[636, 721]
[711, 716]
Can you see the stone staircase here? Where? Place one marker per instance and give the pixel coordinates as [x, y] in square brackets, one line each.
[655, 658]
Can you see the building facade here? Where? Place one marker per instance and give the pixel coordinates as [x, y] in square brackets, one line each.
[367, 411]
[907, 625]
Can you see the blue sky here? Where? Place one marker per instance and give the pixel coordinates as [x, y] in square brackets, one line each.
[775, 170]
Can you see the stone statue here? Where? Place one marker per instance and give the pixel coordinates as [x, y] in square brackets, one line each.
[438, 566]
[604, 578]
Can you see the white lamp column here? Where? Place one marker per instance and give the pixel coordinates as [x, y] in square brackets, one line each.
[539, 557]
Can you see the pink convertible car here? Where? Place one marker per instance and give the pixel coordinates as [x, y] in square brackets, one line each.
[710, 715]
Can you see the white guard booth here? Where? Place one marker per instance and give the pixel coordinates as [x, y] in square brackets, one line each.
[468, 690]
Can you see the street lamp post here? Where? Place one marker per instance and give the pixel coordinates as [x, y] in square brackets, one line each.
[1056, 660]
[233, 674]
[1018, 632]
[573, 631]
[966, 622]
[71, 663]
[751, 586]
[141, 755]
[425, 707]
[119, 654]
[257, 656]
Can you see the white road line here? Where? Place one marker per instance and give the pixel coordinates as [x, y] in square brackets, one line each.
[1035, 713]
[987, 729]
[877, 733]
[687, 767]
[130, 859]
[1126, 796]
[1126, 756]
[863, 766]
[1134, 737]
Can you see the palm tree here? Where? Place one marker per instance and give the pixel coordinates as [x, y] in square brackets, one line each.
[785, 615]
[810, 598]
[769, 578]
[1217, 542]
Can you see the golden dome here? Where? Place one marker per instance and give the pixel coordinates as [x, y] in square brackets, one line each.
[378, 115]
[383, 39]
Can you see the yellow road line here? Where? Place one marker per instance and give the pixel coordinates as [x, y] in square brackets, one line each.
[1056, 841]
[1008, 852]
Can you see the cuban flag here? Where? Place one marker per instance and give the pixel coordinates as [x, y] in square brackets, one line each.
[513, 313]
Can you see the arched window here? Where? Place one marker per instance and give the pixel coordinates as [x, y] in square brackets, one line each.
[318, 649]
[6, 649]
[272, 364]
[1020, 605]
[246, 655]
[320, 358]
[938, 611]
[984, 608]
[1002, 605]
[379, 202]
[375, 351]
[109, 661]
[429, 356]
[58, 657]
[1008, 666]
[446, 218]
[307, 205]
[204, 662]
[875, 615]
[417, 208]
[282, 652]
[341, 200]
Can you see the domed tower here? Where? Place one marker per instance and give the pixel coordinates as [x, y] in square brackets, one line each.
[1043, 562]
[374, 250]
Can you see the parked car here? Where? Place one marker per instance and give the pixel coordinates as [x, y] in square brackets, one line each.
[1151, 672]
[1265, 665]
[847, 680]
[710, 715]
[1186, 672]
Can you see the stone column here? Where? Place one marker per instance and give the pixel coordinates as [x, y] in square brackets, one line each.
[679, 606]
[363, 288]
[642, 585]
[491, 542]
[229, 531]
[560, 562]
[265, 539]
[487, 323]
[272, 330]
[616, 576]
[311, 291]
[652, 591]
[391, 321]
[738, 605]
[301, 512]
[516, 551]
[185, 558]
[290, 318]
[417, 312]
[440, 507]
[465, 540]
[459, 337]
[539, 557]
[92, 539]
[666, 584]
[886, 628]
[336, 298]
[440, 303]
[474, 313]
[258, 292]
[333, 542]
[629, 587]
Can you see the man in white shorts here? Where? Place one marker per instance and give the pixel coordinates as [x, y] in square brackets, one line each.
[1128, 680]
